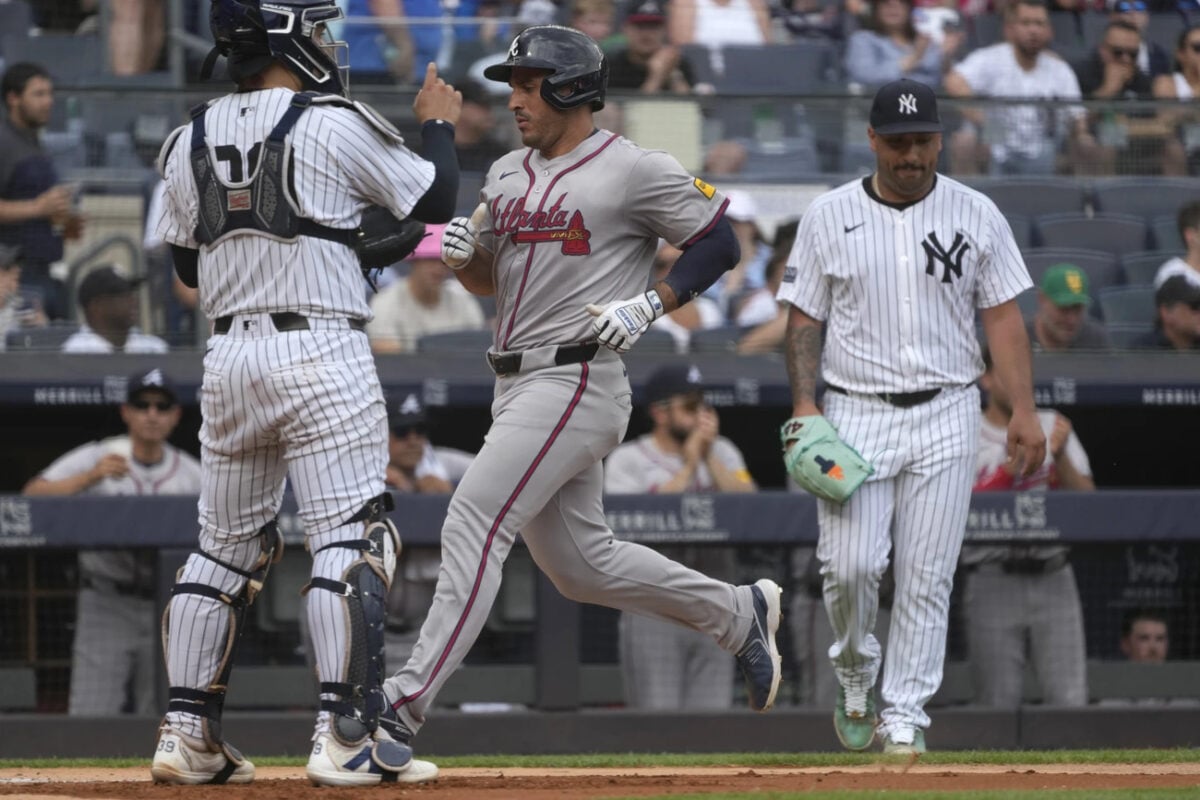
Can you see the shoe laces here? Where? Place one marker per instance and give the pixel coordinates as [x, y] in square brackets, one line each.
[856, 702]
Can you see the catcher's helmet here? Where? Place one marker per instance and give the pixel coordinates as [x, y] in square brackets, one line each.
[252, 33]
[576, 62]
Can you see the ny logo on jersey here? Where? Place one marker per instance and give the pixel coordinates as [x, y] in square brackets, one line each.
[951, 260]
[908, 104]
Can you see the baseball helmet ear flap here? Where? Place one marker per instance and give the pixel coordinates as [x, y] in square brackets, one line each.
[577, 65]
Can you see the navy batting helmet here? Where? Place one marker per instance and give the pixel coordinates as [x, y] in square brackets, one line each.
[252, 33]
[576, 62]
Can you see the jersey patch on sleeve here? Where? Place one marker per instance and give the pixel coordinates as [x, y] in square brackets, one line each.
[704, 188]
[789, 274]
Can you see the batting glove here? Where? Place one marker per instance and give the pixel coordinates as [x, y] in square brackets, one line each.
[620, 324]
[458, 242]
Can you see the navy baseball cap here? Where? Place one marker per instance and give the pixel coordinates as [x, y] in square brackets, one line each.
[150, 380]
[905, 106]
[673, 380]
[406, 414]
[105, 282]
[647, 11]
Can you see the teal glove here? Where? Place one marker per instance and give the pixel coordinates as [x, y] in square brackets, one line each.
[820, 461]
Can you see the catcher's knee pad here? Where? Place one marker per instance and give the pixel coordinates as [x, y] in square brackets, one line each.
[359, 698]
[208, 700]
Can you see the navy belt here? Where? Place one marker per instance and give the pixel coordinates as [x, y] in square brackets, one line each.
[510, 363]
[898, 399]
[283, 321]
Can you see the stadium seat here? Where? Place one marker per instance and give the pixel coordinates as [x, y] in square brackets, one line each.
[715, 340]
[450, 342]
[1140, 268]
[1164, 28]
[72, 60]
[48, 337]
[1022, 229]
[984, 29]
[699, 57]
[797, 68]
[1115, 233]
[15, 19]
[655, 340]
[1126, 304]
[1165, 231]
[1034, 196]
[1103, 269]
[1144, 197]
[1124, 334]
[788, 161]
[1027, 301]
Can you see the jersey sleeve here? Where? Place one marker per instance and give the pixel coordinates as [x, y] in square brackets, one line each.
[974, 70]
[662, 198]
[178, 213]
[732, 458]
[73, 462]
[430, 466]
[1003, 275]
[1078, 456]
[804, 283]
[622, 474]
[380, 171]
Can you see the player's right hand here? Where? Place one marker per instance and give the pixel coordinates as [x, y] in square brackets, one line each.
[110, 466]
[458, 241]
[54, 202]
[437, 99]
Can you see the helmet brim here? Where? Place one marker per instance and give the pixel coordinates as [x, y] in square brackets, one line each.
[502, 73]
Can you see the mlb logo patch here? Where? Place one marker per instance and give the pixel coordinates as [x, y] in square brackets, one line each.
[239, 200]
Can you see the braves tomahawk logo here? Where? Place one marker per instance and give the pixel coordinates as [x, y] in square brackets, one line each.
[555, 225]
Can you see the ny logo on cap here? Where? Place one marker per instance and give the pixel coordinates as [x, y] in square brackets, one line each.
[908, 104]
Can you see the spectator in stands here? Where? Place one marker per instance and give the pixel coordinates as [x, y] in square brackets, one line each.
[724, 158]
[1151, 58]
[110, 312]
[421, 302]
[414, 467]
[596, 18]
[889, 47]
[808, 20]
[451, 45]
[716, 23]
[1130, 142]
[63, 15]
[748, 274]
[117, 632]
[380, 52]
[1183, 85]
[17, 310]
[1024, 139]
[1061, 321]
[663, 665]
[647, 63]
[136, 33]
[1189, 264]
[763, 317]
[1144, 636]
[700, 314]
[475, 135]
[1177, 317]
[36, 210]
[529, 12]
[1022, 602]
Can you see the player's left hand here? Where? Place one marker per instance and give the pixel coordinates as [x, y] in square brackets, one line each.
[1026, 443]
[620, 324]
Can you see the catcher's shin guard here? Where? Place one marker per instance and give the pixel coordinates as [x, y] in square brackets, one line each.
[208, 702]
[359, 699]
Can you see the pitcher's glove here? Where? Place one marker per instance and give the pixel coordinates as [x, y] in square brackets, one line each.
[820, 461]
[381, 239]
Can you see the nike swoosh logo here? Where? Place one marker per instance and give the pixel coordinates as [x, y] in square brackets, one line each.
[504, 175]
[850, 228]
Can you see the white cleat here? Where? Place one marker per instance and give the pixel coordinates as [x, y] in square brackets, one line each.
[182, 759]
[365, 764]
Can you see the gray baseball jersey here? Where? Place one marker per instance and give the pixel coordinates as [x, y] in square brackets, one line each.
[116, 630]
[581, 228]
[304, 405]
[897, 287]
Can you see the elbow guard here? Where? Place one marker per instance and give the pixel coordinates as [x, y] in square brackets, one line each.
[704, 262]
[187, 265]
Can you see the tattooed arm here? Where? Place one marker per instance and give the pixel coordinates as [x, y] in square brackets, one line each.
[803, 345]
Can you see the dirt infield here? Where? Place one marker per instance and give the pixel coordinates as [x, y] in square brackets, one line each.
[289, 783]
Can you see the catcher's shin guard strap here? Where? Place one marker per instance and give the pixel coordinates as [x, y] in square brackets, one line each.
[374, 509]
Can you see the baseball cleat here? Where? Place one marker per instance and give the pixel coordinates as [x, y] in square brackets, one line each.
[365, 764]
[182, 759]
[894, 746]
[758, 658]
[854, 719]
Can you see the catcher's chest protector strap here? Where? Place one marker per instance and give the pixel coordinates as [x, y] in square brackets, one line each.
[263, 203]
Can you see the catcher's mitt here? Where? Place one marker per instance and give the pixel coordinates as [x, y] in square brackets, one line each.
[820, 461]
[381, 239]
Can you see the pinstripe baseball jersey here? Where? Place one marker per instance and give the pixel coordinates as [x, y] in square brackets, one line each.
[913, 326]
[545, 214]
[340, 164]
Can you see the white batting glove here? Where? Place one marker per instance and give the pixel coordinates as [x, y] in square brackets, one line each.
[458, 242]
[620, 324]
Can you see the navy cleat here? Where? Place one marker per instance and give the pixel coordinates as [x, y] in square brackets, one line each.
[758, 658]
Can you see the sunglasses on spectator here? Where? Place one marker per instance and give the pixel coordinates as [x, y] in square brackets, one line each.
[403, 431]
[1122, 52]
[159, 405]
